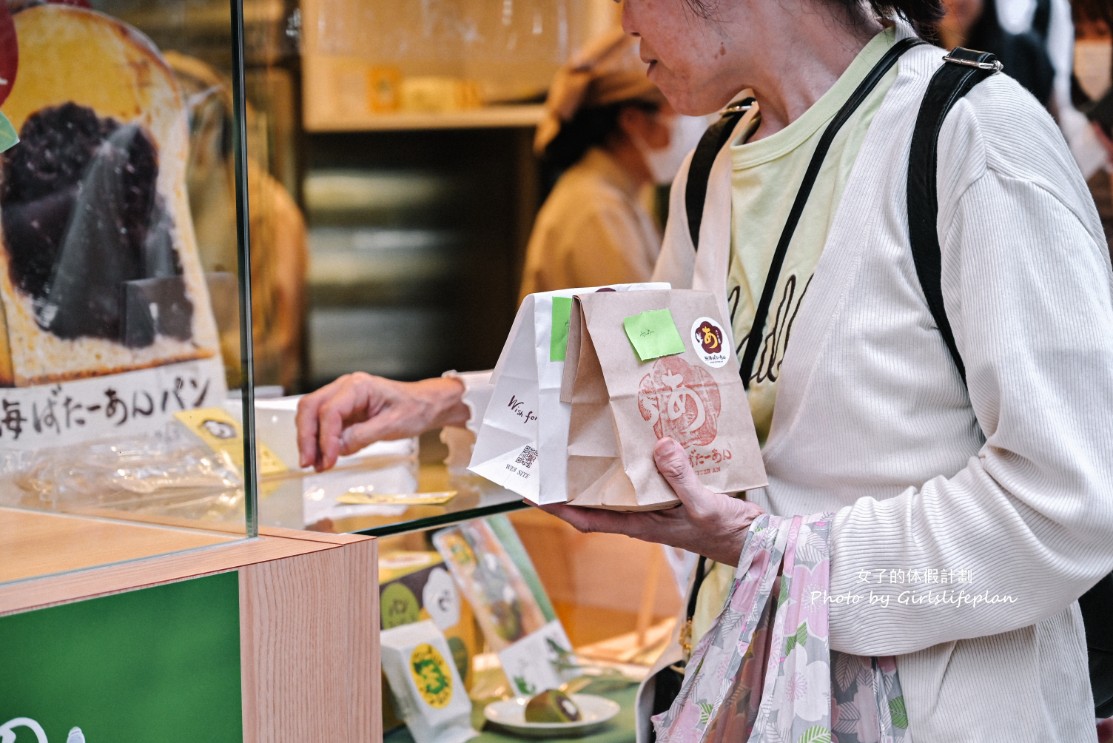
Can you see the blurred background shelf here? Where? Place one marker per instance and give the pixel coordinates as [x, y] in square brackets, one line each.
[479, 118]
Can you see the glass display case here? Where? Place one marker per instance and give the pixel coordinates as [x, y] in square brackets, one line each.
[419, 188]
[123, 288]
[615, 598]
[139, 598]
[155, 314]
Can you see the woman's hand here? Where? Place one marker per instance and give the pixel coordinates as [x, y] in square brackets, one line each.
[359, 409]
[707, 523]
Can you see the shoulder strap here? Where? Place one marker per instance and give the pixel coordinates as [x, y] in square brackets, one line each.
[699, 171]
[1041, 19]
[964, 68]
[716, 136]
[765, 303]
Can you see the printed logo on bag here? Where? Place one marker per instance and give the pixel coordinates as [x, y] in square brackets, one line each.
[709, 342]
[680, 401]
[683, 402]
[431, 676]
[518, 408]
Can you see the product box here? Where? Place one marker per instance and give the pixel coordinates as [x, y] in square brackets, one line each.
[427, 690]
[415, 586]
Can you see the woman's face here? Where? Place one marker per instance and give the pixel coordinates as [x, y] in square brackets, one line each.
[689, 57]
[961, 15]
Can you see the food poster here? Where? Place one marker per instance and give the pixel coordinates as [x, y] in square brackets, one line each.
[106, 321]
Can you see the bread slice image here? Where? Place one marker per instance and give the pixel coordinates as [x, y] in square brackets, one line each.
[99, 269]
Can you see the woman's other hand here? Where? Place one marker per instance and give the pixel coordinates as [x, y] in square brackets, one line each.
[359, 409]
[705, 522]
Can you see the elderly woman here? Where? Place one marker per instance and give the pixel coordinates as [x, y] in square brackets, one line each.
[1004, 481]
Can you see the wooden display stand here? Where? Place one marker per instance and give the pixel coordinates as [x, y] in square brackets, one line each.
[308, 607]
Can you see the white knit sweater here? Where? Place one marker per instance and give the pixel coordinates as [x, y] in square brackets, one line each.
[1009, 487]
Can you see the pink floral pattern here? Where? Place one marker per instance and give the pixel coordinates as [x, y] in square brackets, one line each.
[765, 672]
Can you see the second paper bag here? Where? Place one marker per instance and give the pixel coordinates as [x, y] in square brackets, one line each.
[523, 433]
[641, 366]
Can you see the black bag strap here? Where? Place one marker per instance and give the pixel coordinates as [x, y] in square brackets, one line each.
[963, 69]
[1041, 19]
[715, 138]
[761, 314]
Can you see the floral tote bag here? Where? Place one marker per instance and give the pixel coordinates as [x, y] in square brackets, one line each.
[765, 673]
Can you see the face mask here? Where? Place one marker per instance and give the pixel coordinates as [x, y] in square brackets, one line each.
[664, 163]
[1091, 66]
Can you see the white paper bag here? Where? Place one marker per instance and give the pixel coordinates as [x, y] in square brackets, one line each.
[525, 418]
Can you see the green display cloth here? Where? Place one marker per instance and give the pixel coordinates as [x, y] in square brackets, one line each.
[619, 729]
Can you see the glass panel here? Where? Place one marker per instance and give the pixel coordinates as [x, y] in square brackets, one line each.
[317, 501]
[122, 361]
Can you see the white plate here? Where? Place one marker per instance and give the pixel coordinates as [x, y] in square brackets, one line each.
[510, 714]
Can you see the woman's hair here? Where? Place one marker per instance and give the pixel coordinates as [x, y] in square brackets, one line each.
[589, 127]
[1095, 11]
[922, 14]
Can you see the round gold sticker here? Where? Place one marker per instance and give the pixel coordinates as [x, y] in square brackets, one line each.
[431, 675]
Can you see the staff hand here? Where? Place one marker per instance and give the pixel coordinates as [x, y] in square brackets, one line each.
[359, 409]
[705, 522]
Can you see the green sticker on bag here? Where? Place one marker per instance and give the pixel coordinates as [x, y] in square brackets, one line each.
[558, 342]
[653, 334]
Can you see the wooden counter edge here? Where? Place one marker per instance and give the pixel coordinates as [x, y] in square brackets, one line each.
[77, 585]
[309, 643]
[308, 617]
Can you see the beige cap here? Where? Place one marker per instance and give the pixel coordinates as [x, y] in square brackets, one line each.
[608, 70]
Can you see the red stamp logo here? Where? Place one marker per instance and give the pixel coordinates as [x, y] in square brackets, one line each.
[680, 401]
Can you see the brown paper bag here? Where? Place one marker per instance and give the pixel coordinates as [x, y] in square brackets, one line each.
[641, 366]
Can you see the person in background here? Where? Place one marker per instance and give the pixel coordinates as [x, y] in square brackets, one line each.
[1051, 22]
[976, 24]
[279, 240]
[1035, 40]
[611, 135]
[1093, 72]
